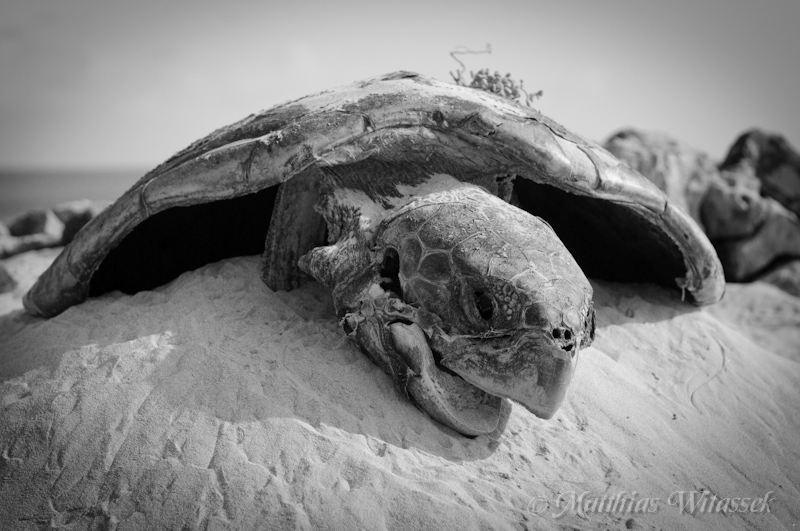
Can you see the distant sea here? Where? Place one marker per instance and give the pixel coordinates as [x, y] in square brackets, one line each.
[25, 190]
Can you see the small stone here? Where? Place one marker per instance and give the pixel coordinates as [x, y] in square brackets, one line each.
[31, 222]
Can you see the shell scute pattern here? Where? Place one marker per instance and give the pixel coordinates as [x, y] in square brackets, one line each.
[515, 228]
[425, 273]
[435, 266]
[460, 225]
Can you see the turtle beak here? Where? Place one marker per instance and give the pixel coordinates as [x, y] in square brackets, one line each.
[534, 374]
[445, 397]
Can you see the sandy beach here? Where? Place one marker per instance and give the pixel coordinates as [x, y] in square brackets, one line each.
[215, 403]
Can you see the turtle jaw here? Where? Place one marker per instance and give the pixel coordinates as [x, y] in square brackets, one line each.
[534, 374]
[445, 397]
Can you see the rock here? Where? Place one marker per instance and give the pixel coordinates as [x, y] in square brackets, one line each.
[733, 206]
[775, 163]
[35, 229]
[681, 171]
[786, 276]
[35, 222]
[42, 228]
[76, 214]
[7, 282]
[777, 238]
[749, 231]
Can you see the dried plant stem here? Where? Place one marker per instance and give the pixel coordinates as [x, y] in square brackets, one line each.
[504, 86]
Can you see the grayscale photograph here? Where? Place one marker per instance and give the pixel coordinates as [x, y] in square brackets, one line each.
[522, 265]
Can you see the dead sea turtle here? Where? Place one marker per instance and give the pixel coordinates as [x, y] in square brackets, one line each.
[423, 192]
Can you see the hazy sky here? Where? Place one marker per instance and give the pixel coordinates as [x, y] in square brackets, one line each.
[105, 83]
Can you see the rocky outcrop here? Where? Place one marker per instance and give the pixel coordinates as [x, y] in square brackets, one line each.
[750, 232]
[733, 207]
[744, 205]
[41, 228]
[773, 161]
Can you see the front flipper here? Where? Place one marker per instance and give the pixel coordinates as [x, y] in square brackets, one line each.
[295, 227]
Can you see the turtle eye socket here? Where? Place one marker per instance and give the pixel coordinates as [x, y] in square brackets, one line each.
[390, 269]
[483, 303]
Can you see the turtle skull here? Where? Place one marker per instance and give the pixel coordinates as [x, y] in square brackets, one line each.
[463, 299]
[512, 306]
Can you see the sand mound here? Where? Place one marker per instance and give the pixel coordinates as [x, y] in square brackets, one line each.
[214, 403]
